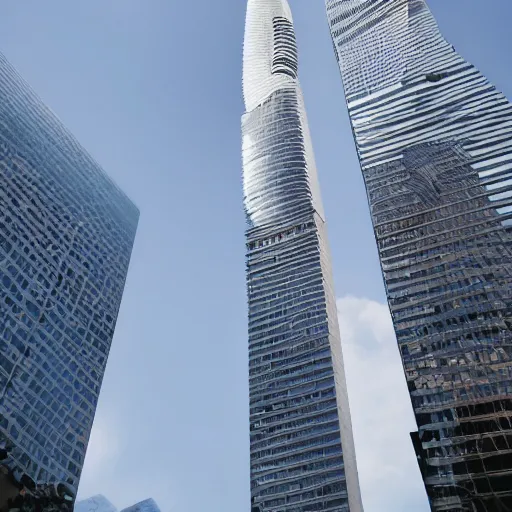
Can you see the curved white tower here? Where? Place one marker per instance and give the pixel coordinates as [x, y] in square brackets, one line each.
[302, 450]
[258, 80]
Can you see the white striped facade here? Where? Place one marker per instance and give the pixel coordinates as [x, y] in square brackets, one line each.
[434, 139]
[302, 451]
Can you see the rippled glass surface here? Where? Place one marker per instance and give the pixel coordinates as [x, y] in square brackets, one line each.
[434, 138]
[302, 453]
[66, 234]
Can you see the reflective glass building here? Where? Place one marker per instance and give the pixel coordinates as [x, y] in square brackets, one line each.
[434, 139]
[100, 504]
[66, 235]
[96, 503]
[148, 505]
[302, 451]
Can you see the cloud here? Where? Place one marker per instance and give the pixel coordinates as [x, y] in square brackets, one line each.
[103, 446]
[100, 461]
[381, 411]
[117, 468]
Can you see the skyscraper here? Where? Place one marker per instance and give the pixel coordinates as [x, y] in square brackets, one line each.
[100, 504]
[66, 235]
[302, 452]
[96, 503]
[434, 139]
[148, 505]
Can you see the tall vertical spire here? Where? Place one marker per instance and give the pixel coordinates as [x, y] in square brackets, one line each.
[259, 80]
[302, 450]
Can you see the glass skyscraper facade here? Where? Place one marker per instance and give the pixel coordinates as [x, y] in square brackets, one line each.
[96, 503]
[148, 505]
[66, 235]
[434, 139]
[302, 451]
[100, 504]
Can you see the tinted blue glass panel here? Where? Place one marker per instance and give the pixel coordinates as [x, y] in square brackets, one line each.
[66, 235]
